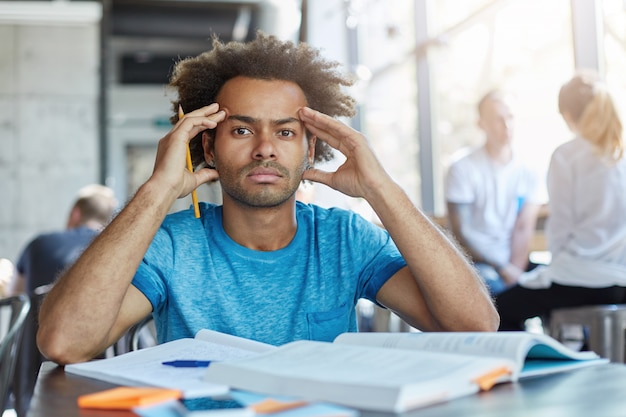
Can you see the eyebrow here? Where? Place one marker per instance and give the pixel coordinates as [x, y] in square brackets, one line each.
[252, 120]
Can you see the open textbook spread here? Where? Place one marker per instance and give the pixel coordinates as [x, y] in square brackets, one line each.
[368, 371]
[396, 372]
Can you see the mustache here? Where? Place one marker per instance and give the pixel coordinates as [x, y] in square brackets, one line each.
[266, 164]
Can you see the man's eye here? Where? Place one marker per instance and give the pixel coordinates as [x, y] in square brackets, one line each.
[241, 131]
[286, 133]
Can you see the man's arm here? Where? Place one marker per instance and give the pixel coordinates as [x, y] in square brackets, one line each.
[94, 303]
[439, 289]
[522, 234]
[460, 218]
[452, 297]
[520, 244]
[460, 223]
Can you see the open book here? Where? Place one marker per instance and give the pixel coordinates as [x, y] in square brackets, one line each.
[530, 354]
[145, 367]
[396, 372]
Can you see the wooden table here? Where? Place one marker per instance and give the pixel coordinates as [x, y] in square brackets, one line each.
[596, 391]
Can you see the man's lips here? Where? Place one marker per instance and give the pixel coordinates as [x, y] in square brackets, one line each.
[264, 175]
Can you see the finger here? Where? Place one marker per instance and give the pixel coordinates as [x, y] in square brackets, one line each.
[205, 111]
[328, 129]
[205, 175]
[200, 120]
[317, 175]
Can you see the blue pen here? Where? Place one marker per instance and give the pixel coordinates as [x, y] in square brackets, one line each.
[187, 363]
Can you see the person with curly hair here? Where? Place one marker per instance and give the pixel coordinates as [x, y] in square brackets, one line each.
[261, 265]
[586, 228]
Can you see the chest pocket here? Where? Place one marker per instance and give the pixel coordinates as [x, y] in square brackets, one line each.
[326, 325]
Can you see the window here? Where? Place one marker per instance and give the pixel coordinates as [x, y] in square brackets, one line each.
[614, 48]
[521, 46]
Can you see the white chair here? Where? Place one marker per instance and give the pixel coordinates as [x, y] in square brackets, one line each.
[139, 336]
[142, 335]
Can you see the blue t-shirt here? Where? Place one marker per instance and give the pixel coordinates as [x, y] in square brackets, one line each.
[197, 277]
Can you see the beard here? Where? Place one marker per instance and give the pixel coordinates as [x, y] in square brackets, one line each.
[262, 195]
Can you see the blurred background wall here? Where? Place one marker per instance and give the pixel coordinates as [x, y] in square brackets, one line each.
[49, 130]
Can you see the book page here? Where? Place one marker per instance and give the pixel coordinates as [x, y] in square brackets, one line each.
[145, 366]
[468, 343]
[516, 346]
[228, 340]
[548, 348]
[356, 363]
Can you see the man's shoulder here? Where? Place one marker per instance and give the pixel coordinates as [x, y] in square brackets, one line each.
[332, 220]
[68, 239]
[468, 157]
[319, 213]
[183, 217]
[53, 236]
[183, 224]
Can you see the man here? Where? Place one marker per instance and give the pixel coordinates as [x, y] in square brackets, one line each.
[43, 259]
[50, 253]
[261, 265]
[492, 199]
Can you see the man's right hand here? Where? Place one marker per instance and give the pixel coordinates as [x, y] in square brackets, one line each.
[170, 169]
[509, 273]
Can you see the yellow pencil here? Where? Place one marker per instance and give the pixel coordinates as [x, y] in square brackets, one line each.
[194, 195]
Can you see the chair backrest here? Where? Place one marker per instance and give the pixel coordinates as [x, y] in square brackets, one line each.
[139, 336]
[28, 359]
[14, 310]
[143, 334]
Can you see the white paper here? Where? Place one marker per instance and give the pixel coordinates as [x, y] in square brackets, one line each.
[145, 367]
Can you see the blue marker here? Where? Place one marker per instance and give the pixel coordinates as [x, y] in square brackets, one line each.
[187, 364]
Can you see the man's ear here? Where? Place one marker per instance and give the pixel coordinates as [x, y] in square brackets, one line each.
[311, 152]
[74, 219]
[207, 146]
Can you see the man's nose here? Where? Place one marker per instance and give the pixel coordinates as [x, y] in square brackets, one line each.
[264, 146]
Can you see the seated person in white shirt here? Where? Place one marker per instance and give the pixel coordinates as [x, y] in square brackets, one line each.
[493, 199]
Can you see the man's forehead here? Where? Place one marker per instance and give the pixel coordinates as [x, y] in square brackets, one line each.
[278, 119]
[254, 101]
[497, 107]
[245, 91]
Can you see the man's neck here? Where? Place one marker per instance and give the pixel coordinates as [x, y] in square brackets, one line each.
[501, 154]
[262, 229]
[89, 224]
